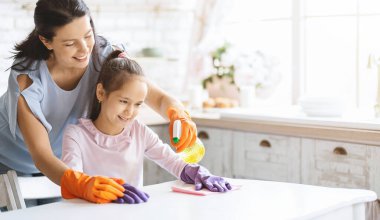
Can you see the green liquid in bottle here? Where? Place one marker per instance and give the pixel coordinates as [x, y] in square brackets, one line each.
[194, 153]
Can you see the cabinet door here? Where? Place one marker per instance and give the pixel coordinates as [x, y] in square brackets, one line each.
[218, 156]
[335, 164]
[374, 169]
[153, 173]
[266, 157]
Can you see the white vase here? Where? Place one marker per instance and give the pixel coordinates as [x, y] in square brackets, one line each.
[246, 96]
[195, 96]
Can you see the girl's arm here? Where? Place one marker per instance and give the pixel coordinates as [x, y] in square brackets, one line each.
[160, 152]
[71, 151]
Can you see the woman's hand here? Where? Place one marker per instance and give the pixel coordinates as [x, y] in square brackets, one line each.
[97, 189]
[189, 129]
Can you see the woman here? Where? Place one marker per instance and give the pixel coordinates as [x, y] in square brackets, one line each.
[50, 85]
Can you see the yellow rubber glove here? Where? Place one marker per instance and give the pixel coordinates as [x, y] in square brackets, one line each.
[189, 129]
[97, 189]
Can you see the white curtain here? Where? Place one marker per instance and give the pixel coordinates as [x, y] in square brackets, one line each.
[209, 15]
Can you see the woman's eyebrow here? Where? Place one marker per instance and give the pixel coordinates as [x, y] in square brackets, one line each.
[75, 39]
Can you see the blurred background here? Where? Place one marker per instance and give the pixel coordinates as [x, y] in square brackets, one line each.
[224, 53]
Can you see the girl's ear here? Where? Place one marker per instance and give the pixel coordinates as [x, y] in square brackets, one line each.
[100, 93]
[46, 42]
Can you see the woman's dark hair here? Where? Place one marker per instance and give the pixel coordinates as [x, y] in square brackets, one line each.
[115, 71]
[48, 16]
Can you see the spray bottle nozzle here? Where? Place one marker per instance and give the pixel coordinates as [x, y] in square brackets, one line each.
[191, 154]
[177, 131]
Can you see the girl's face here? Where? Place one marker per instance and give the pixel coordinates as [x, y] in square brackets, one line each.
[73, 43]
[120, 107]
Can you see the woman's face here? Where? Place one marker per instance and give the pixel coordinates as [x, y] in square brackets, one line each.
[120, 107]
[73, 43]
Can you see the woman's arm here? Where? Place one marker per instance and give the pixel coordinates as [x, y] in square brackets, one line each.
[171, 108]
[36, 138]
[73, 184]
[160, 101]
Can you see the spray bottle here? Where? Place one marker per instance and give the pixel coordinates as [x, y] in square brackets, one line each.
[191, 154]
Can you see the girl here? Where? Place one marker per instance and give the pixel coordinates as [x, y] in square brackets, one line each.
[54, 72]
[113, 143]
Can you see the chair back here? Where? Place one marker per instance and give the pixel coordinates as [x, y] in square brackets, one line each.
[6, 194]
[25, 188]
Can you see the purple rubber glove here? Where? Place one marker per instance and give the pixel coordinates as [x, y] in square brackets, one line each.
[201, 177]
[132, 195]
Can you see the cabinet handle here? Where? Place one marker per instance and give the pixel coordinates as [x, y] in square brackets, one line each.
[340, 151]
[203, 135]
[265, 143]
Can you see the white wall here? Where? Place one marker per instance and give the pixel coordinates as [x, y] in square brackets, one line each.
[165, 24]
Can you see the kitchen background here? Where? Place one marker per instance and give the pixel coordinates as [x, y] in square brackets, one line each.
[137, 24]
[321, 54]
[278, 51]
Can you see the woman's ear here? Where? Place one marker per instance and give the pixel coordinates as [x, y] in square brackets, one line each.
[100, 93]
[46, 42]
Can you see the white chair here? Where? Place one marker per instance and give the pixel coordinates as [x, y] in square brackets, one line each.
[25, 188]
[6, 194]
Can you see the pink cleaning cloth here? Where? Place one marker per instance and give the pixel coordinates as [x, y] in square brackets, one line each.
[181, 187]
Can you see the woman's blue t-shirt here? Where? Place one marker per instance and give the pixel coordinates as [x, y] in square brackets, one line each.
[52, 106]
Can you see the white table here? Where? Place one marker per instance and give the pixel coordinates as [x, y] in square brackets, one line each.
[38, 188]
[255, 200]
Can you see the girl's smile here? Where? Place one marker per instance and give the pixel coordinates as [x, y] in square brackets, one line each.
[124, 119]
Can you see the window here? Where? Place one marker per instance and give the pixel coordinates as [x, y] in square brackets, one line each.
[323, 45]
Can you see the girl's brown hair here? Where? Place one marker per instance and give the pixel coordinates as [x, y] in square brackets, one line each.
[115, 71]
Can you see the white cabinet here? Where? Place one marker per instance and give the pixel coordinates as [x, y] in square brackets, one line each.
[374, 168]
[340, 164]
[218, 156]
[253, 155]
[266, 157]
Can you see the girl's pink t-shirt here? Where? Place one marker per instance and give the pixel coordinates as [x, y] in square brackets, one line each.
[86, 149]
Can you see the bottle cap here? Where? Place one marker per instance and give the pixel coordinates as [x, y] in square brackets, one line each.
[175, 140]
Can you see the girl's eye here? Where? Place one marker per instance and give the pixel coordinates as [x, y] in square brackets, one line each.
[138, 104]
[88, 36]
[124, 101]
[69, 45]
